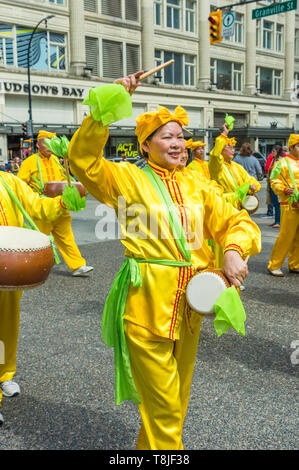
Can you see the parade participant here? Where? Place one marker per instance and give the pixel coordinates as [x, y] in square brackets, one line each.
[198, 163]
[231, 176]
[277, 154]
[36, 170]
[227, 173]
[152, 319]
[10, 215]
[286, 184]
[183, 160]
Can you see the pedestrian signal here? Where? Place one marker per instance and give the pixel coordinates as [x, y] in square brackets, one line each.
[215, 20]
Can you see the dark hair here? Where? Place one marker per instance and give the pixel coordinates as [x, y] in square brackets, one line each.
[246, 149]
[279, 150]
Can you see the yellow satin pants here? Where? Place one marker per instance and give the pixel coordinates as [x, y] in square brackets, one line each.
[162, 370]
[287, 242]
[63, 235]
[9, 332]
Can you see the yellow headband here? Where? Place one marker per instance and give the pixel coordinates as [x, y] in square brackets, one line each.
[194, 145]
[293, 140]
[43, 134]
[148, 123]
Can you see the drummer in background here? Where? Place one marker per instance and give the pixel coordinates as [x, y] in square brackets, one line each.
[160, 331]
[51, 170]
[287, 242]
[47, 209]
[229, 175]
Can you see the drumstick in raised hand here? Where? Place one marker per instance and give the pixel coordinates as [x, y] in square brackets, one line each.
[155, 69]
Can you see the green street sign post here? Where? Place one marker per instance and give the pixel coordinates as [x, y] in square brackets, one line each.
[274, 9]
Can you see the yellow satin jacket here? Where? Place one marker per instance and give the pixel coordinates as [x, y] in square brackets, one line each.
[50, 169]
[38, 208]
[279, 184]
[160, 303]
[220, 171]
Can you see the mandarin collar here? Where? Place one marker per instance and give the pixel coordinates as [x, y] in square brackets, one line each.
[163, 172]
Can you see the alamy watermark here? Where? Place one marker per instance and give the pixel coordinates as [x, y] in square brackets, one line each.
[149, 222]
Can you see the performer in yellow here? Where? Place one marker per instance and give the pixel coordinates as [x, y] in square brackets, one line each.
[10, 215]
[286, 186]
[160, 332]
[198, 163]
[229, 175]
[36, 170]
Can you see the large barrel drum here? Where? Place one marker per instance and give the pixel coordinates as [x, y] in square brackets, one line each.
[26, 258]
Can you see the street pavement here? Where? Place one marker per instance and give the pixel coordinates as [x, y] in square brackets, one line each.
[243, 393]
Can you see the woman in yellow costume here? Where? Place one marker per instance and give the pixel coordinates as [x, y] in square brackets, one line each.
[41, 209]
[198, 163]
[230, 175]
[285, 183]
[145, 313]
[36, 170]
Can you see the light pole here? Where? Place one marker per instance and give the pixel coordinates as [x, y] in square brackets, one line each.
[30, 122]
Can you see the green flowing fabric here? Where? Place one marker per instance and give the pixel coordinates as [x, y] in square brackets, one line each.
[72, 199]
[276, 170]
[229, 312]
[109, 103]
[41, 184]
[240, 191]
[295, 198]
[174, 220]
[28, 218]
[229, 120]
[113, 334]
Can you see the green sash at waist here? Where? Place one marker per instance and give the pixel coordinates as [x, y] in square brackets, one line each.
[113, 325]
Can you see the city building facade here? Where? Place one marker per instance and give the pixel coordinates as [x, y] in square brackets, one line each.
[79, 44]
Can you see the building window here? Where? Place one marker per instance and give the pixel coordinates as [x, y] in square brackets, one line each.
[92, 54]
[182, 72]
[158, 12]
[47, 51]
[173, 13]
[239, 28]
[190, 16]
[90, 5]
[120, 59]
[277, 82]
[269, 81]
[227, 75]
[131, 10]
[279, 37]
[58, 2]
[6, 45]
[267, 35]
[111, 8]
[57, 51]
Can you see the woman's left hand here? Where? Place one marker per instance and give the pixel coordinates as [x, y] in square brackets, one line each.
[252, 188]
[235, 268]
[130, 82]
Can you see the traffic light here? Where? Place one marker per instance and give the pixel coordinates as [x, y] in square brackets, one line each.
[215, 20]
[24, 126]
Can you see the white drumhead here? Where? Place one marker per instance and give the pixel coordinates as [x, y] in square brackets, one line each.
[250, 203]
[203, 290]
[22, 239]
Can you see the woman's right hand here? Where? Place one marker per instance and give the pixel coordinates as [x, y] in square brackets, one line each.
[225, 129]
[130, 82]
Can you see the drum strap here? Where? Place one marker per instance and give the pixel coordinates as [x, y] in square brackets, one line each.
[27, 217]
